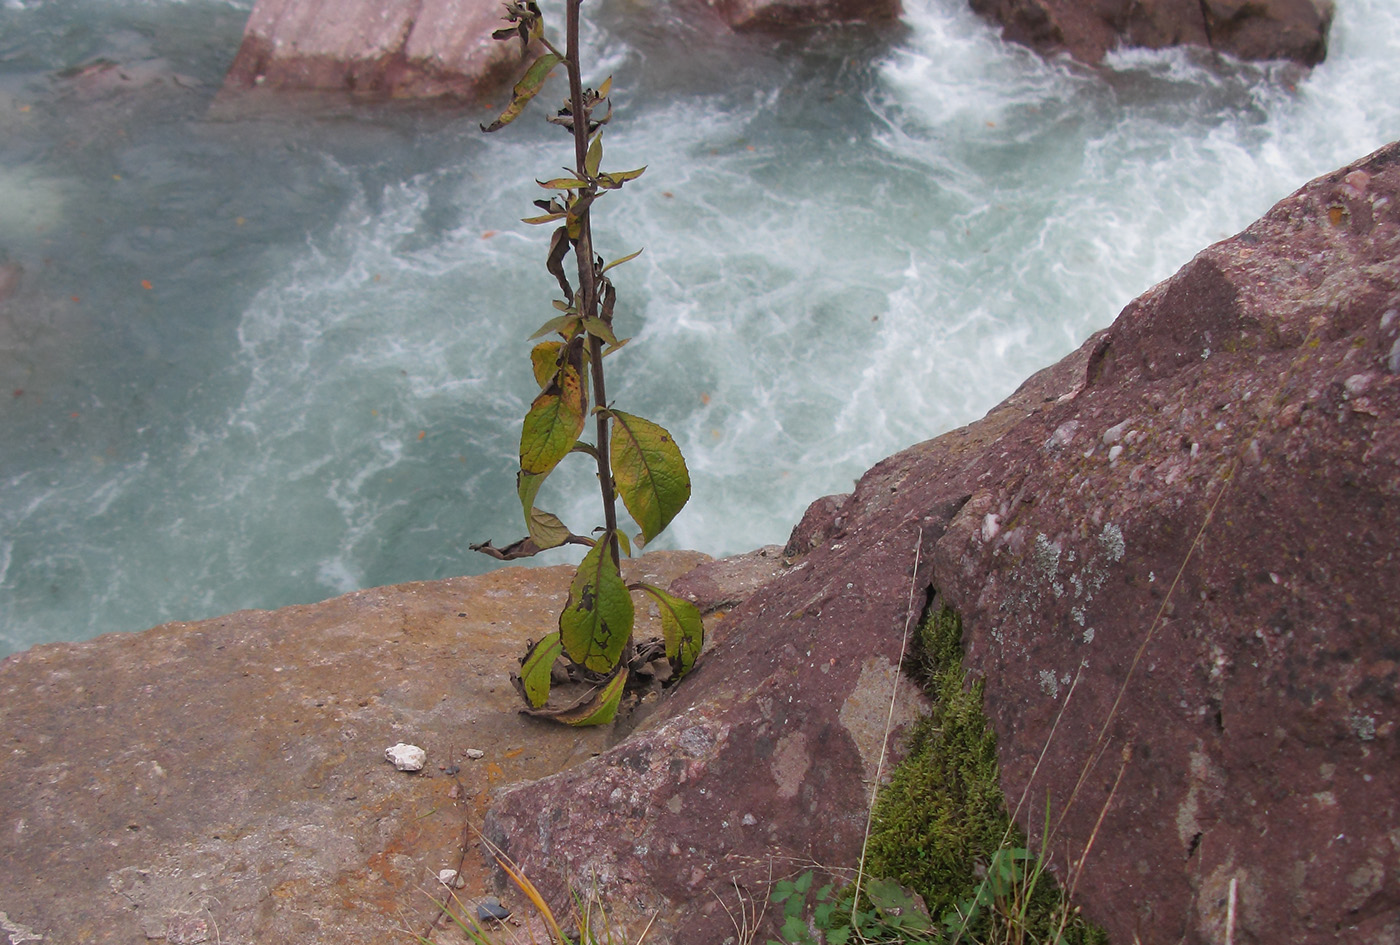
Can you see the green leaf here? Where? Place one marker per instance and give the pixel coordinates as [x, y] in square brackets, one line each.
[624, 544]
[546, 530]
[594, 157]
[547, 218]
[533, 681]
[527, 88]
[565, 325]
[544, 361]
[527, 486]
[649, 471]
[681, 627]
[612, 180]
[605, 88]
[599, 329]
[898, 905]
[554, 422]
[597, 619]
[602, 708]
[562, 183]
[618, 262]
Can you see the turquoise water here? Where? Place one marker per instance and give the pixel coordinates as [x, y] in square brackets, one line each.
[854, 241]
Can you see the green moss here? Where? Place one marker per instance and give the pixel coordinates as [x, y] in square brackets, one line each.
[942, 818]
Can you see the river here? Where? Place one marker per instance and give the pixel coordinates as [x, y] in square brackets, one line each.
[255, 357]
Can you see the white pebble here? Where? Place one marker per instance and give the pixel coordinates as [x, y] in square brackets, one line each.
[475, 753]
[406, 757]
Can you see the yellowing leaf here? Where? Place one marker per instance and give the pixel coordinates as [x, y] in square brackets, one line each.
[594, 157]
[544, 360]
[596, 622]
[618, 262]
[649, 471]
[613, 180]
[554, 423]
[562, 324]
[546, 530]
[601, 709]
[528, 86]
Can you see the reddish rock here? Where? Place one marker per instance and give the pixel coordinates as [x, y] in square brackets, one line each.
[781, 14]
[759, 765]
[1087, 29]
[1203, 532]
[226, 780]
[1175, 554]
[378, 48]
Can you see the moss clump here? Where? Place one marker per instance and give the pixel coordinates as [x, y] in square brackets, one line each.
[942, 818]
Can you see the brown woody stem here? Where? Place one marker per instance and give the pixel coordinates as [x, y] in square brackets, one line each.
[587, 276]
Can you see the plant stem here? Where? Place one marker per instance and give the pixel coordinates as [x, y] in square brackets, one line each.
[588, 284]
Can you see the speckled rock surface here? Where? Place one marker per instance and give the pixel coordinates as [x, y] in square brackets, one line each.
[226, 781]
[1197, 512]
[378, 48]
[1208, 529]
[787, 14]
[1255, 30]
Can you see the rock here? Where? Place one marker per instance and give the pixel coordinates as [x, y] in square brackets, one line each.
[490, 909]
[762, 759]
[406, 757]
[1248, 29]
[229, 774]
[1174, 552]
[376, 48]
[786, 14]
[1197, 537]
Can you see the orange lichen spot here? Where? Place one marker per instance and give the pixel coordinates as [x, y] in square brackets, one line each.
[422, 433]
[1336, 214]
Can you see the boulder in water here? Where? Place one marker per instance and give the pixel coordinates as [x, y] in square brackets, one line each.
[1294, 30]
[375, 48]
